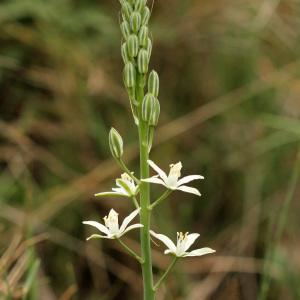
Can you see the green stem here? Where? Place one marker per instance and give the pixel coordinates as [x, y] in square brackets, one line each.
[150, 137]
[130, 251]
[145, 201]
[281, 222]
[164, 276]
[135, 202]
[127, 171]
[160, 199]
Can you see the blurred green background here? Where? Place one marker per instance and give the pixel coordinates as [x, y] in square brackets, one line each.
[230, 86]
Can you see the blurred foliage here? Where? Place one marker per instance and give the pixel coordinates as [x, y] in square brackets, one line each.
[230, 91]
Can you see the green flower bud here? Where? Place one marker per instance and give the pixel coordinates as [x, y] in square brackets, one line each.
[150, 110]
[126, 10]
[148, 47]
[147, 107]
[156, 112]
[143, 61]
[135, 21]
[124, 53]
[115, 143]
[125, 29]
[140, 4]
[129, 75]
[143, 35]
[145, 15]
[153, 83]
[133, 45]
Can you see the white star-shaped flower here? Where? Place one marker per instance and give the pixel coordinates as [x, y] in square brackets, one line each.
[184, 242]
[172, 180]
[111, 228]
[125, 187]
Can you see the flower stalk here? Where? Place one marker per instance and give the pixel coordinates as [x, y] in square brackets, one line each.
[135, 202]
[166, 273]
[143, 93]
[160, 199]
[130, 251]
[126, 170]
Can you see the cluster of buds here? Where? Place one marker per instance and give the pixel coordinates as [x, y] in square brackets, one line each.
[136, 52]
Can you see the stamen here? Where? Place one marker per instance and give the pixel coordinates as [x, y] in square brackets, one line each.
[126, 177]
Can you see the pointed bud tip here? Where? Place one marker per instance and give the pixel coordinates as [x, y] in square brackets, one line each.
[115, 143]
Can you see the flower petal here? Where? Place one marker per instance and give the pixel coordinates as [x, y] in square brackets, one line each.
[154, 179]
[188, 189]
[168, 251]
[121, 192]
[128, 219]
[200, 252]
[118, 190]
[98, 236]
[189, 178]
[125, 186]
[107, 194]
[158, 170]
[167, 241]
[191, 238]
[130, 228]
[98, 225]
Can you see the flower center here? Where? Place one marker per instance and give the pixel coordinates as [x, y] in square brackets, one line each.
[181, 241]
[174, 174]
[128, 181]
[111, 222]
[126, 177]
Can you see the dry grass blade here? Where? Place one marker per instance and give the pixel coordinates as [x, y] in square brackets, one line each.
[6, 258]
[77, 246]
[34, 151]
[15, 279]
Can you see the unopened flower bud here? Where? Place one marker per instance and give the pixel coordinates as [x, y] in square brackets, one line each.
[132, 45]
[115, 143]
[125, 29]
[147, 107]
[140, 4]
[155, 115]
[126, 10]
[143, 35]
[150, 110]
[145, 15]
[153, 83]
[135, 21]
[148, 47]
[124, 53]
[143, 61]
[129, 75]
[156, 112]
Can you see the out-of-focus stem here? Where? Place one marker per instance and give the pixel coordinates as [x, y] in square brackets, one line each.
[281, 221]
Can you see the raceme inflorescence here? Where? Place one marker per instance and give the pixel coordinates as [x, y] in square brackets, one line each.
[143, 89]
